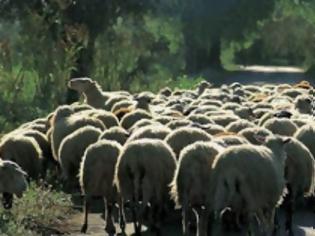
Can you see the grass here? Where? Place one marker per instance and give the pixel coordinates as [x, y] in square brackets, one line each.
[38, 212]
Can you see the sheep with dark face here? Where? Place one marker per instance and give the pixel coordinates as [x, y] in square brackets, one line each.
[12, 181]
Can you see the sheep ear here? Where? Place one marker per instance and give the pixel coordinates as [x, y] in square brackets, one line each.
[260, 138]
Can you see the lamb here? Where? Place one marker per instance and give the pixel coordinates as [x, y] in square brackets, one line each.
[151, 131]
[12, 181]
[117, 134]
[23, 150]
[72, 149]
[65, 122]
[281, 126]
[182, 137]
[145, 169]
[96, 176]
[306, 134]
[191, 181]
[239, 125]
[131, 118]
[250, 180]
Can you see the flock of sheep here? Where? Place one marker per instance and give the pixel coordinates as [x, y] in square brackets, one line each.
[232, 154]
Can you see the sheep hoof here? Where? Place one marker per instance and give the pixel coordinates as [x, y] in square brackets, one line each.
[84, 229]
[111, 230]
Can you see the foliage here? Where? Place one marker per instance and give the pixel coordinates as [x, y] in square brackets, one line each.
[40, 209]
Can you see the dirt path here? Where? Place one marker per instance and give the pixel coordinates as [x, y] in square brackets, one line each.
[304, 223]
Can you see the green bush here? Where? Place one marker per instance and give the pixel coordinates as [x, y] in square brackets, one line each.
[39, 210]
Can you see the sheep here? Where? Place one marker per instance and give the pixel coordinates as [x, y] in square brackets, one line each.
[165, 92]
[96, 176]
[65, 123]
[117, 134]
[92, 91]
[124, 104]
[23, 150]
[281, 126]
[303, 104]
[109, 119]
[250, 180]
[224, 120]
[151, 131]
[200, 119]
[142, 123]
[229, 139]
[44, 144]
[190, 183]
[143, 172]
[250, 134]
[300, 176]
[131, 118]
[181, 137]
[12, 181]
[112, 101]
[306, 134]
[164, 120]
[239, 125]
[244, 113]
[143, 100]
[175, 124]
[72, 149]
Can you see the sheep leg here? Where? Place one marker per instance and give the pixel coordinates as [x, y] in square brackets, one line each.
[276, 222]
[86, 212]
[289, 211]
[202, 215]
[110, 227]
[122, 217]
[156, 219]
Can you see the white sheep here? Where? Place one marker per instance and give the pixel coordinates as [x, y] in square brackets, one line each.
[96, 176]
[71, 151]
[191, 181]
[182, 137]
[12, 181]
[250, 180]
[144, 170]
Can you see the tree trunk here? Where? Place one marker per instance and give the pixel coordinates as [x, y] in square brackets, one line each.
[199, 59]
[84, 64]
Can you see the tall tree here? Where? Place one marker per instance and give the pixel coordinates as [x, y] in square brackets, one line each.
[207, 22]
